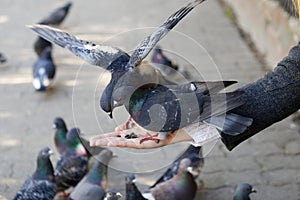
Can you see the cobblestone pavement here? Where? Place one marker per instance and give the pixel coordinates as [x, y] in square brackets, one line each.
[270, 160]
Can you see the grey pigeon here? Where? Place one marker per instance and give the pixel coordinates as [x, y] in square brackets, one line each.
[73, 163]
[112, 194]
[43, 71]
[54, 18]
[181, 187]
[132, 191]
[2, 58]
[41, 185]
[60, 135]
[194, 154]
[115, 60]
[243, 191]
[94, 184]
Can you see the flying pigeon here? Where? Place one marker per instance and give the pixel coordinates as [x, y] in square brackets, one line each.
[73, 163]
[165, 109]
[243, 191]
[115, 60]
[112, 194]
[54, 18]
[181, 187]
[41, 185]
[94, 184]
[60, 135]
[132, 192]
[2, 58]
[43, 71]
[194, 154]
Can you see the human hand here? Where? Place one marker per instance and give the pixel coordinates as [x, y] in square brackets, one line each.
[131, 138]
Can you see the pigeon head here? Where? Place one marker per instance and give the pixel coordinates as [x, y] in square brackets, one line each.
[59, 124]
[45, 153]
[74, 142]
[117, 69]
[44, 168]
[130, 179]
[112, 194]
[243, 191]
[157, 50]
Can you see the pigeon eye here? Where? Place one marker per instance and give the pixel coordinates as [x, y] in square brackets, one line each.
[44, 152]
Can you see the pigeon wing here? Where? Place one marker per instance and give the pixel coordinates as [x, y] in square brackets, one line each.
[146, 45]
[100, 55]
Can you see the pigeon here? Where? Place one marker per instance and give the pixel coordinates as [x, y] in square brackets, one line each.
[114, 59]
[94, 184]
[159, 58]
[243, 191]
[41, 185]
[181, 187]
[112, 194]
[55, 18]
[73, 163]
[165, 109]
[197, 161]
[43, 71]
[60, 135]
[132, 192]
[40, 44]
[2, 58]
[168, 67]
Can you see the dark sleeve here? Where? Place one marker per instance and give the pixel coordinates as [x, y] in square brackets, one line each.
[271, 98]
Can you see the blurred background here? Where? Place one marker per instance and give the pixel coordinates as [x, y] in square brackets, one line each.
[235, 40]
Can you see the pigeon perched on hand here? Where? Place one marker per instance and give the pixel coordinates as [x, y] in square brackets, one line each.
[194, 154]
[2, 58]
[132, 192]
[73, 163]
[243, 191]
[115, 60]
[55, 18]
[164, 110]
[181, 187]
[94, 184]
[43, 71]
[41, 185]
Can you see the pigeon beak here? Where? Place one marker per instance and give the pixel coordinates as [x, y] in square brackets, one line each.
[50, 152]
[54, 126]
[119, 194]
[253, 191]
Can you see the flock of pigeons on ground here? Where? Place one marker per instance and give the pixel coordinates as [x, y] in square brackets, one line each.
[79, 177]
[81, 174]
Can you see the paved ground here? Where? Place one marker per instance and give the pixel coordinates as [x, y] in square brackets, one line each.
[270, 161]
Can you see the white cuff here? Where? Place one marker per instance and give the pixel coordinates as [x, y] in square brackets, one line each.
[202, 133]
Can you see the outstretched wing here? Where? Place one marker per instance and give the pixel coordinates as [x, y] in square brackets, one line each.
[146, 45]
[100, 55]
